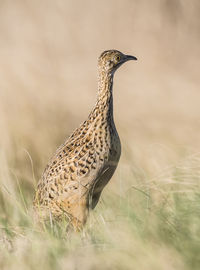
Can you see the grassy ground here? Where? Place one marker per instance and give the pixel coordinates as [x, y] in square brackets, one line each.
[149, 224]
[148, 216]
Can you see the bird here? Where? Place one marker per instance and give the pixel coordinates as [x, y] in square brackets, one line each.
[75, 176]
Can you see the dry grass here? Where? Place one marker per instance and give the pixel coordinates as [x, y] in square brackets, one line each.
[148, 217]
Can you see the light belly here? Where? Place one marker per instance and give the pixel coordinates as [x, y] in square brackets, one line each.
[105, 174]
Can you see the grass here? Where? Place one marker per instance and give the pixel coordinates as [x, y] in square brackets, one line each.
[145, 226]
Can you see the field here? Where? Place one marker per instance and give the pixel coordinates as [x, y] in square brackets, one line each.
[148, 217]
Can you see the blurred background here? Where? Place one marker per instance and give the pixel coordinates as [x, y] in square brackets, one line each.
[48, 84]
[48, 77]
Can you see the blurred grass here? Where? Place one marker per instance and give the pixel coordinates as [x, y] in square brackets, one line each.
[148, 216]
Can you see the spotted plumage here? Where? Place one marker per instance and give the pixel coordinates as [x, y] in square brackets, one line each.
[79, 170]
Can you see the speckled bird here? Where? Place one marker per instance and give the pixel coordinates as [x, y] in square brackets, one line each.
[79, 170]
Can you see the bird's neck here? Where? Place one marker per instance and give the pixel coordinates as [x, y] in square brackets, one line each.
[105, 96]
[103, 110]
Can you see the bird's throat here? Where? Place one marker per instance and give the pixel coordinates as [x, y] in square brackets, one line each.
[105, 96]
[104, 106]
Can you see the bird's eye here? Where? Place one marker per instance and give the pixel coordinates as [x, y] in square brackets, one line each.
[118, 58]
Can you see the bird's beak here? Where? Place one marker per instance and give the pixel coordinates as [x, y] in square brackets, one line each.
[130, 57]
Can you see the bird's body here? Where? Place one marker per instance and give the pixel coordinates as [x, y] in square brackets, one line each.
[76, 175]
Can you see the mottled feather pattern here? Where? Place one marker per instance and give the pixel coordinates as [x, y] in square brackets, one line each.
[79, 170]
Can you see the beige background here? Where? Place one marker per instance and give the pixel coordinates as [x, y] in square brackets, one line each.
[48, 79]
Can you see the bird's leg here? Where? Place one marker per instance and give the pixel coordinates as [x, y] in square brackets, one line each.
[76, 212]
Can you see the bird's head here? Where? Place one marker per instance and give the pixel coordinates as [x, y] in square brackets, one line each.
[111, 60]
